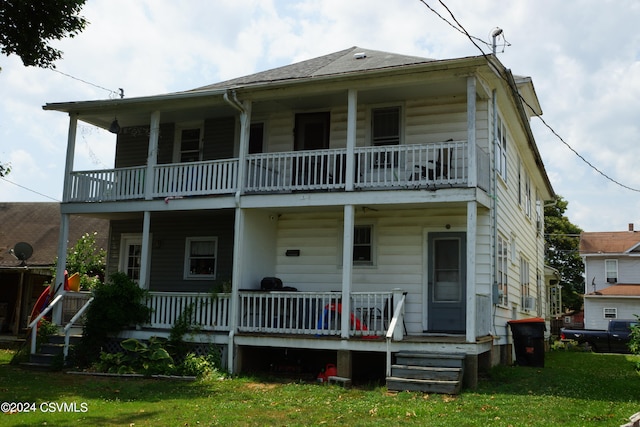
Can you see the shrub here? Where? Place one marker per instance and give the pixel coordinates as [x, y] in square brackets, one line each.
[117, 304]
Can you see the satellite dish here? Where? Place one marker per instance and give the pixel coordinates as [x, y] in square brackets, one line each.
[22, 251]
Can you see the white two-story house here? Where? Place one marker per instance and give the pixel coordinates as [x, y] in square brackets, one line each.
[612, 276]
[398, 199]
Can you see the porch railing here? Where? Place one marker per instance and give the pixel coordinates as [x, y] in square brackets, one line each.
[196, 179]
[413, 165]
[296, 170]
[207, 312]
[314, 313]
[429, 165]
[107, 185]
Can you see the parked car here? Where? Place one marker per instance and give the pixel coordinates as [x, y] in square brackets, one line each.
[614, 340]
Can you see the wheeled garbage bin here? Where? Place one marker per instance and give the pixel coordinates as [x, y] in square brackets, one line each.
[528, 341]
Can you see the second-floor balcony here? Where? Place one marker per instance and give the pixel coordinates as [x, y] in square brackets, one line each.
[415, 166]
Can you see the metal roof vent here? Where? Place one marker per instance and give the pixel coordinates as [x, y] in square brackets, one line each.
[360, 55]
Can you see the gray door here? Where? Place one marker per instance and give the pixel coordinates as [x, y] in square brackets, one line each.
[446, 309]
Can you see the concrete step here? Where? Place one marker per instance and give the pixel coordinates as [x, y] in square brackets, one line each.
[425, 386]
[430, 359]
[59, 339]
[426, 372]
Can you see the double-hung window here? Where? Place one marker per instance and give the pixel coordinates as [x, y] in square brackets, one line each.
[611, 270]
[501, 149]
[525, 287]
[363, 245]
[200, 258]
[188, 146]
[502, 270]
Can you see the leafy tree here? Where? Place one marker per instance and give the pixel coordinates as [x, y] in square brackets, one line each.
[562, 244]
[28, 26]
[87, 259]
[5, 168]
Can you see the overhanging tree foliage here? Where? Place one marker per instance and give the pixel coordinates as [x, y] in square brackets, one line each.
[28, 26]
[562, 240]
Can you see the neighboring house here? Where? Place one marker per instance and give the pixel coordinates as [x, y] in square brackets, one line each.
[38, 225]
[394, 188]
[612, 276]
[571, 320]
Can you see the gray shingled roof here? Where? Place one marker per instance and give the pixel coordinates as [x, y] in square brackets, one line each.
[342, 62]
[39, 225]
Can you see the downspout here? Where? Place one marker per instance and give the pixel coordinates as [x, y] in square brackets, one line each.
[494, 201]
[231, 98]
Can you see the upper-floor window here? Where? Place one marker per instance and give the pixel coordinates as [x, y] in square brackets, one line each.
[610, 313]
[611, 270]
[502, 271]
[200, 257]
[188, 143]
[501, 148]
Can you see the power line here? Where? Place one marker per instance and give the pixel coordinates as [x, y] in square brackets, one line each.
[28, 189]
[462, 30]
[119, 92]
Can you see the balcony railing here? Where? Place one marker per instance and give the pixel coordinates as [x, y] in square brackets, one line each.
[433, 165]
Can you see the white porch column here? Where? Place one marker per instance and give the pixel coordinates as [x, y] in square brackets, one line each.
[152, 156]
[352, 113]
[236, 283]
[58, 285]
[347, 268]
[71, 149]
[471, 131]
[145, 256]
[243, 150]
[472, 231]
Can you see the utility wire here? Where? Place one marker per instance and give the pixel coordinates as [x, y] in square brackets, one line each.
[462, 30]
[113, 93]
[28, 189]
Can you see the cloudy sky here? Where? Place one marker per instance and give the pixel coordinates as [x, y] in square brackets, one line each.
[583, 57]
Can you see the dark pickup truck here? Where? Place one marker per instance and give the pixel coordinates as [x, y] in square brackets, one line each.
[613, 340]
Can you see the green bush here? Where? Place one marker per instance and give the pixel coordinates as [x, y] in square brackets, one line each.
[117, 305]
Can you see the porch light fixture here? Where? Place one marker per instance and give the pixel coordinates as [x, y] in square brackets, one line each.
[114, 127]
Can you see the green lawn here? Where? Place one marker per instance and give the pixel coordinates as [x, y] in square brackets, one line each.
[574, 389]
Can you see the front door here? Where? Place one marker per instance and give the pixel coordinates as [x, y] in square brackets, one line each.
[446, 288]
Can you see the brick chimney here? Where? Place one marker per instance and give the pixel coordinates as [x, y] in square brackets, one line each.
[630, 226]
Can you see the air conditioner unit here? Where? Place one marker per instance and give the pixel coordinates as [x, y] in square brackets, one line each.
[529, 303]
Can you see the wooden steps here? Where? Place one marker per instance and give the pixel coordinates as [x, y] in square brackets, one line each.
[50, 355]
[427, 372]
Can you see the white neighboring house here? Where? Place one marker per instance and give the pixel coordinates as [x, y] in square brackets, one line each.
[612, 276]
[402, 190]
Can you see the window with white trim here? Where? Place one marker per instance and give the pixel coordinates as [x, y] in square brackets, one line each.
[188, 143]
[201, 254]
[501, 149]
[525, 286]
[611, 270]
[610, 313]
[363, 245]
[502, 271]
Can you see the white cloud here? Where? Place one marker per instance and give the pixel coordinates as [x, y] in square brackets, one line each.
[583, 56]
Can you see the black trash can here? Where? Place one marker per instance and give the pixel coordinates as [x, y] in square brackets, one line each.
[528, 341]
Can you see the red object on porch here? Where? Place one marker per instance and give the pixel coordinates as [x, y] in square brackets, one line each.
[337, 308]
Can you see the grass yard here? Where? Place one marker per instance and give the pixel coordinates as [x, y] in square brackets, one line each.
[574, 389]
